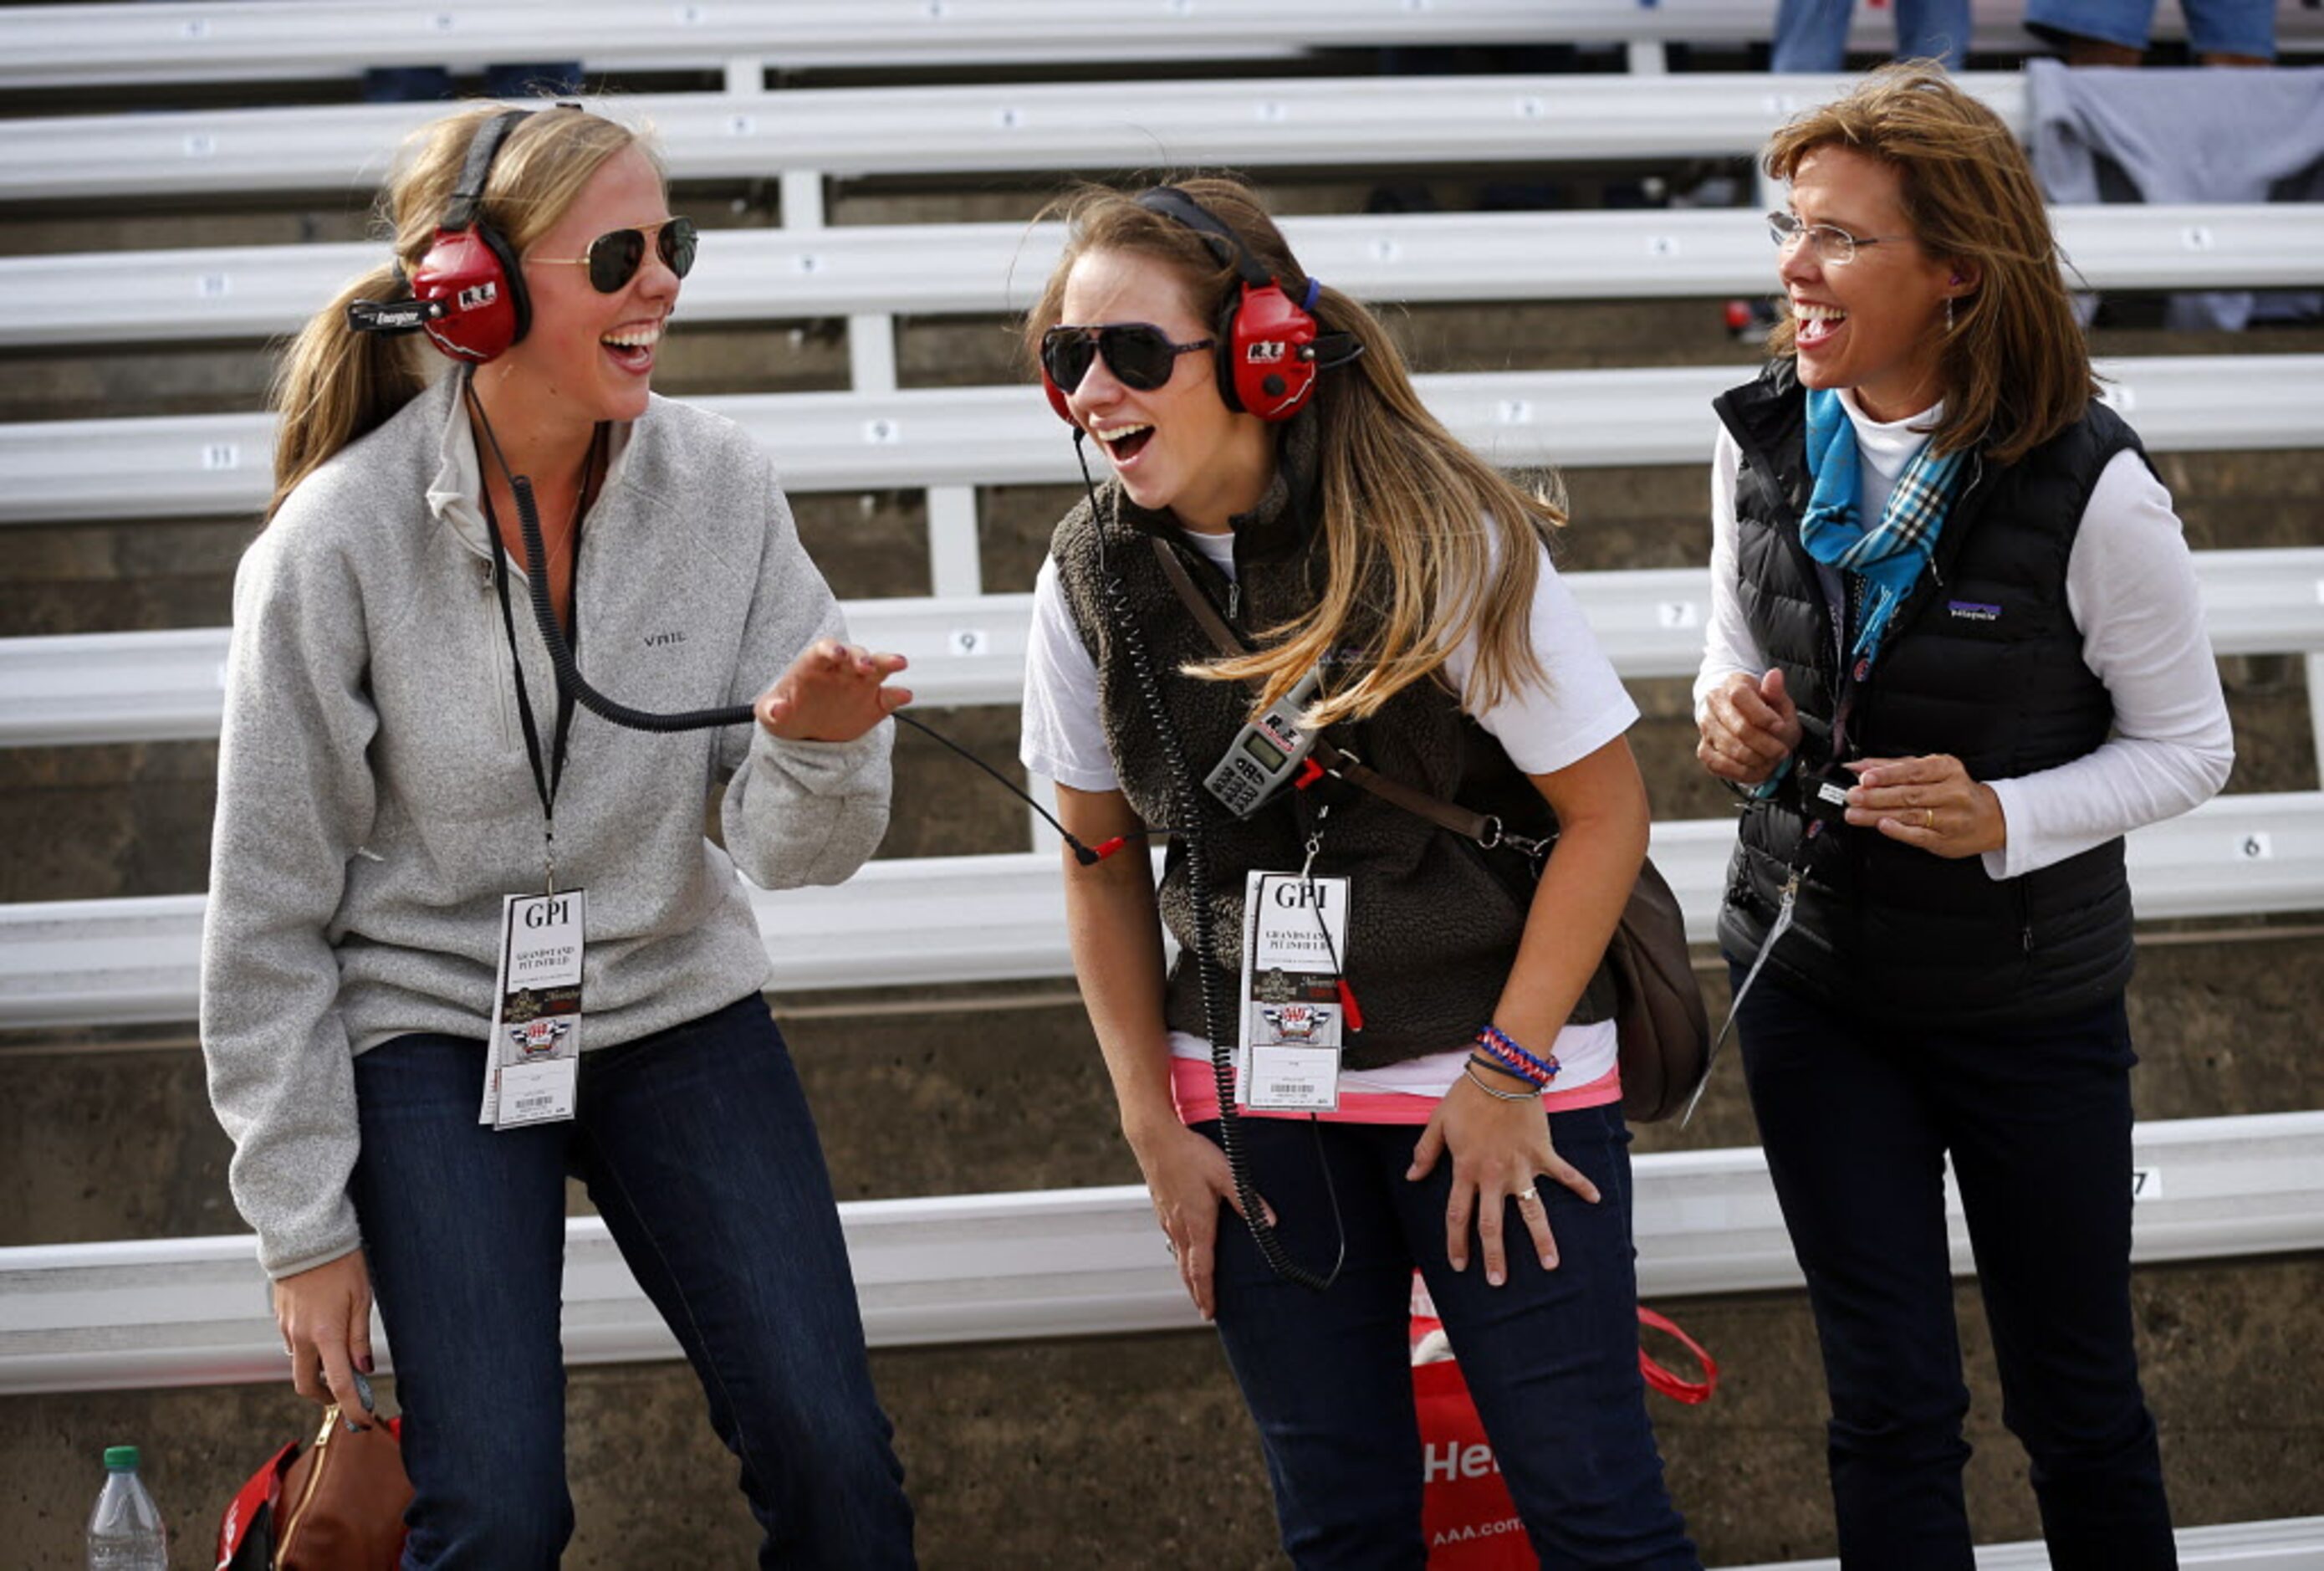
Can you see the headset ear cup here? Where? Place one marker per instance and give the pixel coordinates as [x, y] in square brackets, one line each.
[1056, 397]
[464, 272]
[1271, 339]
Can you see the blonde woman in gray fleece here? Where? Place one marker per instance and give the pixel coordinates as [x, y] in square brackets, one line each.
[393, 746]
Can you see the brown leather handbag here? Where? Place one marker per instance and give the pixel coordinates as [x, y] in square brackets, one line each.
[337, 1506]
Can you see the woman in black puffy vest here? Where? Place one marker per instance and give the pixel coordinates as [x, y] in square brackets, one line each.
[1957, 652]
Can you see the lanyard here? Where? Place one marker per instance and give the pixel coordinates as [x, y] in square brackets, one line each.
[545, 780]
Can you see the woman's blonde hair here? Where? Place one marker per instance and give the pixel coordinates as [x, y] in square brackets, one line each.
[2014, 366]
[335, 384]
[1425, 544]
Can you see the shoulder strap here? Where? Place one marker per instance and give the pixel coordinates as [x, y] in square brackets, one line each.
[1484, 830]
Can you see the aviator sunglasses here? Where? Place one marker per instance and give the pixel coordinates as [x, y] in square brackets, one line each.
[1140, 354]
[614, 257]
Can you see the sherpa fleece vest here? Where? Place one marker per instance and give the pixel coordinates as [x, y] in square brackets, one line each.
[1434, 926]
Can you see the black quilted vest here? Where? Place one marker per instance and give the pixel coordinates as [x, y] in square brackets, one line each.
[1435, 924]
[1984, 663]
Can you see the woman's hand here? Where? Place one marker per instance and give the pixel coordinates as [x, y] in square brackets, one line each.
[1186, 1177]
[1499, 1150]
[324, 1317]
[1749, 726]
[1928, 801]
[831, 693]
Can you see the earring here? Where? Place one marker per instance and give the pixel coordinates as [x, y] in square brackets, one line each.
[1948, 313]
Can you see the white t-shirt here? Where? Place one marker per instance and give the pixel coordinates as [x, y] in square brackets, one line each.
[2130, 587]
[1543, 726]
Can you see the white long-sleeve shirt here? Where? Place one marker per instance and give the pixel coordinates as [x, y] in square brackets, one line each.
[2130, 588]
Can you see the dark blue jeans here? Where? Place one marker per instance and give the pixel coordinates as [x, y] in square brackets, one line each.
[1857, 1114]
[1552, 1357]
[698, 1148]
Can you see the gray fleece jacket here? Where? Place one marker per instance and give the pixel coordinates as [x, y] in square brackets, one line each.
[375, 804]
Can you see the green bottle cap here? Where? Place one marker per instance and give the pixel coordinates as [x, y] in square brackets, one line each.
[121, 1458]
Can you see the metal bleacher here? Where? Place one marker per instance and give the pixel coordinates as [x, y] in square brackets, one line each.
[802, 135]
[978, 1267]
[975, 1267]
[880, 272]
[270, 39]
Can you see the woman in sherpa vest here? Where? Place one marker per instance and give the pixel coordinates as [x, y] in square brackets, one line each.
[1419, 1015]
[1956, 653]
[394, 744]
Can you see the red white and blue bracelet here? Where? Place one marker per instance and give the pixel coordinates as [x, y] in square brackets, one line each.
[1495, 1045]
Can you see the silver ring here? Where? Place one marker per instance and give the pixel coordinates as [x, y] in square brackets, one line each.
[1524, 1195]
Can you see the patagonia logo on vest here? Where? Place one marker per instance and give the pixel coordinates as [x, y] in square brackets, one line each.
[1973, 611]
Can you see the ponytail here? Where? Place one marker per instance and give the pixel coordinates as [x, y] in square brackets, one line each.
[336, 384]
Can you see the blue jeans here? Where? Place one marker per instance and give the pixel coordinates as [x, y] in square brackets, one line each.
[1552, 1357]
[1811, 35]
[699, 1151]
[1857, 1114]
[2213, 26]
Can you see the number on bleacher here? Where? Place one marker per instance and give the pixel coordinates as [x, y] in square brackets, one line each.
[742, 126]
[2146, 1184]
[214, 285]
[217, 455]
[2256, 846]
[1386, 250]
[1662, 245]
[201, 145]
[883, 433]
[1531, 109]
[1272, 112]
[689, 16]
[1679, 613]
[444, 22]
[2195, 237]
[806, 262]
[194, 27]
[1514, 412]
[969, 641]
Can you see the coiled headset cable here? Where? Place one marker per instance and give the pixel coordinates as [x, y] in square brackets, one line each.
[1186, 807]
[574, 686]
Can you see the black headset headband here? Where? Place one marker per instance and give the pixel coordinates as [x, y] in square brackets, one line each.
[1224, 242]
[469, 195]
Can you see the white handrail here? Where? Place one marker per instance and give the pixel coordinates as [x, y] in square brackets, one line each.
[217, 465]
[91, 688]
[1366, 122]
[934, 269]
[49, 46]
[976, 1268]
[997, 918]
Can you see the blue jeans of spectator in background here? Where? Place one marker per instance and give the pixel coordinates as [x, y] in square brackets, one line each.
[1552, 1357]
[698, 1151]
[2213, 26]
[1811, 35]
[1857, 1114]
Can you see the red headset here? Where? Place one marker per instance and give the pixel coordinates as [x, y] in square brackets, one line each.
[1268, 347]
[467, 294]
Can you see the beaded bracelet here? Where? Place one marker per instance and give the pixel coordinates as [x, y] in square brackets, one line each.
[1496, 1042]
[1470, 1069]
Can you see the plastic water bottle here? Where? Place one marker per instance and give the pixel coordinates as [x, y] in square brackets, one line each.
[125, 1530]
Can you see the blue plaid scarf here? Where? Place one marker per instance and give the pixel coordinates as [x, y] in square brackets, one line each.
[1891, 556]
